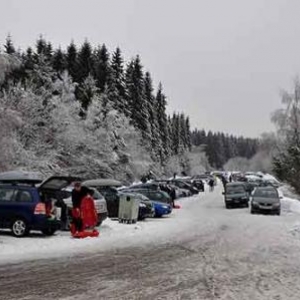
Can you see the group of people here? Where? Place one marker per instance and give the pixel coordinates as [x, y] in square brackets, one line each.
[84, 214]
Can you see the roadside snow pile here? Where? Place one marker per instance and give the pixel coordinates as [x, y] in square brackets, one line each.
[289, 205]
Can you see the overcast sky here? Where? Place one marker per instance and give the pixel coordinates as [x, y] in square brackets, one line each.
[222, 62]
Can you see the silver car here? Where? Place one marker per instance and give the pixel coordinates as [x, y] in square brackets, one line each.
[265, 199]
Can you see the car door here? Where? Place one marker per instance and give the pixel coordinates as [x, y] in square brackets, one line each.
[7, 201]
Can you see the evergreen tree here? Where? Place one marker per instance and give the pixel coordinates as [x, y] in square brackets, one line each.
[102, 67]
[151, 106]
[71, 61]
[188, 134]
[84, 61]
[162, 124]
[41, 46]
[86, 91]
[9, 47]
[59, 61]
[117, 82]
[136, 98]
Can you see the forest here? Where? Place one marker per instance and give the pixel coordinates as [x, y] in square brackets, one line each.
[86, 110]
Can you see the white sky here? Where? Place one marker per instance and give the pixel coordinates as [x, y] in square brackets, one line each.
[222, 62]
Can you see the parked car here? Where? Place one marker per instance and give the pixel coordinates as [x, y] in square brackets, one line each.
[265, 199]
[25, 207]
[185, 185]
[236, 195]
[107, 188]
[99, 200]
[161, 209]
[152, 195]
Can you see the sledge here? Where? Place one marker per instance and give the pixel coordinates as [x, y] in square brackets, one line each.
[86, 233]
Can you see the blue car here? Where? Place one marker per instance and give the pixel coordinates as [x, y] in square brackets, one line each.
[25, 207]
[161, 209]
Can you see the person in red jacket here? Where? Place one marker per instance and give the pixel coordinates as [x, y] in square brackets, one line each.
[87, 215]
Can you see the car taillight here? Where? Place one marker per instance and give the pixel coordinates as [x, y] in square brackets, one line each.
[40, 209]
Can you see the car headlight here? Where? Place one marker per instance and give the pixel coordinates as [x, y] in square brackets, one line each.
[276, 204]
[254, 203]
[165, 207]
[142, 205]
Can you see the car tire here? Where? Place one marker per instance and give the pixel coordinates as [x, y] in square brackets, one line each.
[228, 206]
[278, 213]
[247, 205]
[19, 227]
[252, 211]
[48, 231]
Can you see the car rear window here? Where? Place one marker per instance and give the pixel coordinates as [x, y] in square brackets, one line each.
[266, 193]
[235, 189]
[7, 194]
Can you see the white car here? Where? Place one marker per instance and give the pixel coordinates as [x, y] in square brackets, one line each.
[100, 204]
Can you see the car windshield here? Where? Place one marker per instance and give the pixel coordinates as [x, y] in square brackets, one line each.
[265, 193]
[235, 190]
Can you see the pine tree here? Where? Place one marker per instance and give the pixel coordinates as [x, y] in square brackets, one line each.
[116, 82]
[86, 91]
[9, 47]
[41, 46]
[59, 61]
[102, 67]
[162, 124]
[151, 106]
[84, 61]
[188, 134]
[71, 61]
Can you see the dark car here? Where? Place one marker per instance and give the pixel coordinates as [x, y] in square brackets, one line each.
[265, 199]
[162, 202]
[236, 195]
[25, 207]
[153, 195]
[107, 188]
[184, 185]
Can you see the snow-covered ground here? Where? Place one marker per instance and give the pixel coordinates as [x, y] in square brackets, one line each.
[116, 235]
[202, 251]
[112, 235]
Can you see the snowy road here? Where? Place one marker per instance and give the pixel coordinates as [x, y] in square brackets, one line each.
[202, 252]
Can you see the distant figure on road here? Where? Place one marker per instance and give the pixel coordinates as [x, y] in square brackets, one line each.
[211, 184]
[224, 181]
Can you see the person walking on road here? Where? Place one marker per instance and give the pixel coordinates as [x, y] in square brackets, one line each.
[211, 184]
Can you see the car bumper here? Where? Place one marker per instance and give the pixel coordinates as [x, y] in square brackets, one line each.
[42, 223]
[237, 201]
[268, 209]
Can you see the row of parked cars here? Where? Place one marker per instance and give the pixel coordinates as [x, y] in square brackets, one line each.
[262, 195]
[28, 203]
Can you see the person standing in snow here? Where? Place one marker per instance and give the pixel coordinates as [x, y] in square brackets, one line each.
[76, 201]
[211, 184]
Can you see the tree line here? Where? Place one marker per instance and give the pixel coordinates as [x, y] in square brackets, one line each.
[124, 87]
[220, 148]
